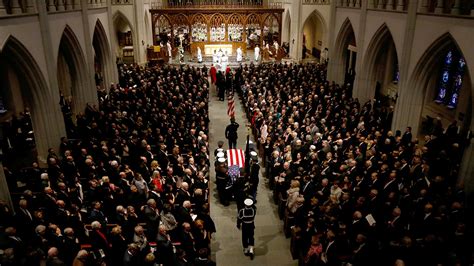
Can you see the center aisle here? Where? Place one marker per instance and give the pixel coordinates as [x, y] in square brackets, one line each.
[271, 246]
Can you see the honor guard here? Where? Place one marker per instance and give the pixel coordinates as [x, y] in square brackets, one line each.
[245, 220]
[221, 177]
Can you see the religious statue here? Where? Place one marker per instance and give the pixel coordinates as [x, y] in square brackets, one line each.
[199, 55]
[257, 53]
[239, 55]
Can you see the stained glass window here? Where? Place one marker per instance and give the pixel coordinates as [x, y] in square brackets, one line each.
[450, 80]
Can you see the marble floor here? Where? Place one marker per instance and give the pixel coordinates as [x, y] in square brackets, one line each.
[271, 246]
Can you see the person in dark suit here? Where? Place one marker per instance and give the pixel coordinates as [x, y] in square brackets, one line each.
[308, 189]
[130, 257]
[330, 255]
[164, 247]
[361, 253]
[98, 239]
[231, 133]
[70, 246]
[152, 218]
[53, 259]
[24, 220]
[407, 137]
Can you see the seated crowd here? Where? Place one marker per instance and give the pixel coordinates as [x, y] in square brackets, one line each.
[349, 189]
[132, 190]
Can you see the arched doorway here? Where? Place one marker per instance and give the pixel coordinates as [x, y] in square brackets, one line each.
[440, 81]
[345, 55]
[314, 35]
[381, 70]
[124, 36]
[102, 65]
[72, 78]
[287, 28]
[30, 117]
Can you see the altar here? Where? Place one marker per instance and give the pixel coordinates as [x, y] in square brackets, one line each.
[210, 48]
[216, 28]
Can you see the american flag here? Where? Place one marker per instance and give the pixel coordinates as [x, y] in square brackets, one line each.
[236, 157]
[231, 105]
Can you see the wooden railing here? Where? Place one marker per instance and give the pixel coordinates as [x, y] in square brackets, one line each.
[217, 4]
[316, 2]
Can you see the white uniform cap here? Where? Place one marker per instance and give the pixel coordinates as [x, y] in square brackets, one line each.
[248, 202]
[220, 155]
[253, 153]
[221, 160]
[312, 147]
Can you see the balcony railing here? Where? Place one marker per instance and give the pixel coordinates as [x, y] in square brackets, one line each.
[216, 4]
[25, 7]
[447, 7]
[389, 5]
[122, 2]
[349, 3]
[15, 7]
[317, 2]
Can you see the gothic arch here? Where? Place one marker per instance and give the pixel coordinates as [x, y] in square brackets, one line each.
[417, 96]
[71, 72]
[33, 93]
[124, 35]
[345, 37]
[102, 59]
[380, 63]
[315, 29]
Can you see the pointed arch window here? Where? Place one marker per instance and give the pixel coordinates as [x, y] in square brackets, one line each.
[450, 79]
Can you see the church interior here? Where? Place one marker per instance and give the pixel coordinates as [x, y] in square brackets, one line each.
[349, 141]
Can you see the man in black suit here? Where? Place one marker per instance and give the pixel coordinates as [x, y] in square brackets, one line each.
[24, 219]
[152, 218]
[164, 247]
[231, 133]
[330, 255]
[308, 189]
[407, 137]
[131, 256]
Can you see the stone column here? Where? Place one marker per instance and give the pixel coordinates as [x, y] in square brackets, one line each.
[31, 6]
[77, 4]
[90, 94]
[49, 125]
[113, 57]
[60, 5]
[4, 191]
[69, 5]
[16, 8]
[359, 91]
[403, 100]
[439, 7]
[332, 39]
[3, 10]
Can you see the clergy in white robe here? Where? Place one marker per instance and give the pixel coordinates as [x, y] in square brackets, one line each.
[239, 55]
[257, 53]
[199, 55]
